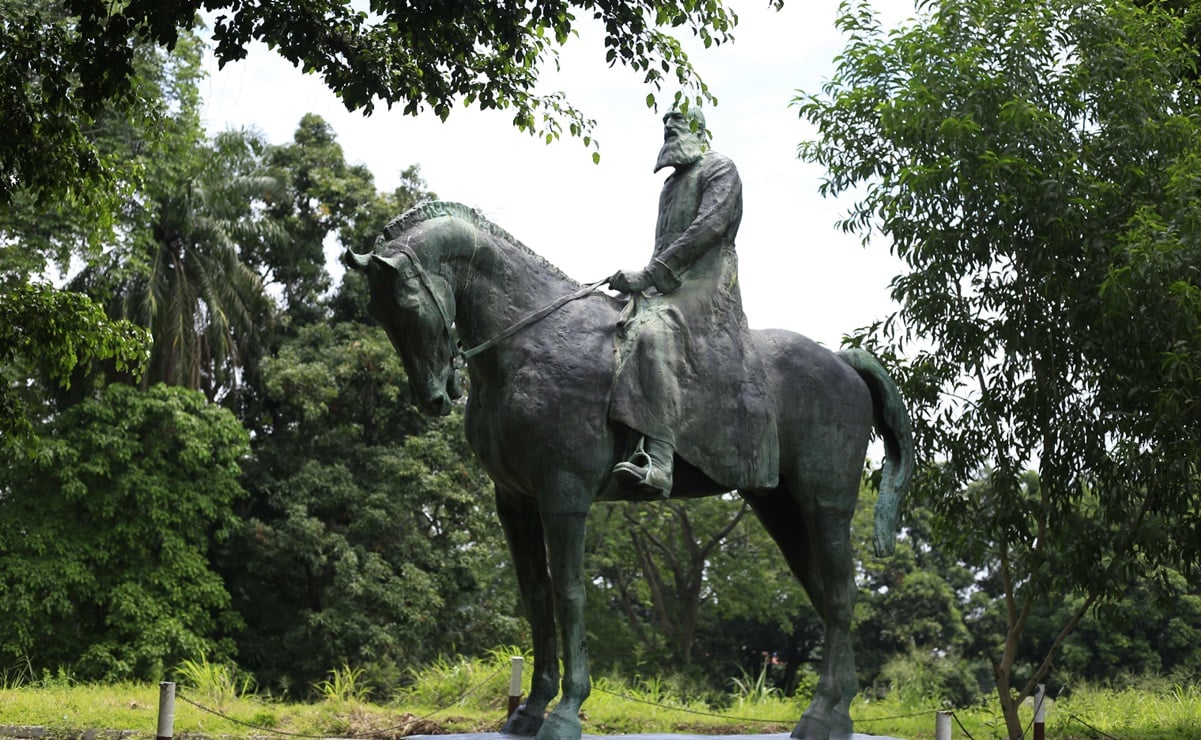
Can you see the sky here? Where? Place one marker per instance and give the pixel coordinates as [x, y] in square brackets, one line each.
[797, 270]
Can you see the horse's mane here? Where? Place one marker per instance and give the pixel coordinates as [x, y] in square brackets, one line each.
[438, 208]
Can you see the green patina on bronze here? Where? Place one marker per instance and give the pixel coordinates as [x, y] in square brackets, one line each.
[550, 413]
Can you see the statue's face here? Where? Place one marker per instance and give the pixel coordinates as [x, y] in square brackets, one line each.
[681, 145]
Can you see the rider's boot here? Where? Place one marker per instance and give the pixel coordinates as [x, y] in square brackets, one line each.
[649, 468]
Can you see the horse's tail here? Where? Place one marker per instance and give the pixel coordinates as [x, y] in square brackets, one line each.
[892, 422]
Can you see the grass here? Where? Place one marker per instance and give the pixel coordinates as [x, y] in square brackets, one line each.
[436, 703]
[344, 685]
[216, 682]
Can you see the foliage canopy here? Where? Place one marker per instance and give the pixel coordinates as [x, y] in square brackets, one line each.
[1036, 167]
[66, 62]
[103, 556]
[57, 330]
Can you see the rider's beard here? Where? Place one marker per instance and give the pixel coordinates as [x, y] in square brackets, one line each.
[679, 151]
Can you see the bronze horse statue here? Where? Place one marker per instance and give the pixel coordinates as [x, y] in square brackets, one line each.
[540, 364]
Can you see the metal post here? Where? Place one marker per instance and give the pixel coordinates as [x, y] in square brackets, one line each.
[942, 726]
[1040, 712]
[166, 711]
[516, 665]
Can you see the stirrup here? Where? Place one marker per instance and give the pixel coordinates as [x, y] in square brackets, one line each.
[641, 472]
[640, 459]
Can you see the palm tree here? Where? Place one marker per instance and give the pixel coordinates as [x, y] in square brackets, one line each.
[204, 306]
[179, 272]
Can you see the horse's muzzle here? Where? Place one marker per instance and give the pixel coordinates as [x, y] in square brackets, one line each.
[437, 404]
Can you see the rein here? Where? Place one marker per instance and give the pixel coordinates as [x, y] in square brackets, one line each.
[533, 318]
[462, 355]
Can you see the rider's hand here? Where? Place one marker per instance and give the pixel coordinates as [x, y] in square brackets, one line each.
[630, 281]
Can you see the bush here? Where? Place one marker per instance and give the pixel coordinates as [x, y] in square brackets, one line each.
[919, 678]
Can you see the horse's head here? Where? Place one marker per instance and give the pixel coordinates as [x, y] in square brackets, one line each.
[417, 310]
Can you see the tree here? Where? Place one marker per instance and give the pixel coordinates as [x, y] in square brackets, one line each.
[176, 267]
[324, 194]
[104, 562]
[659, 585]
[1154, 631]
[1035, 165]
[692, 580]
[61, 332]
[182, 275]
[323, 197]
[47, 152]
[913, 608]
[59, 196]
[369, 537]
[54, 332]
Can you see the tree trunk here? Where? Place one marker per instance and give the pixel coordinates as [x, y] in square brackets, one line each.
[792, 663]
[1015, 625]
[1009, 707]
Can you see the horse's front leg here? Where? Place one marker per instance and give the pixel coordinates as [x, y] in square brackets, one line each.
[565, 546]
[523, 529]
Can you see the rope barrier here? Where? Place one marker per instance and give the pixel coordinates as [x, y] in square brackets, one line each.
[961, 727]
[237, 721]
[626, 697]
[1100, 733]
[911, 715]
[462, 696]
[744, 719]
[859, 721]
[373, 733]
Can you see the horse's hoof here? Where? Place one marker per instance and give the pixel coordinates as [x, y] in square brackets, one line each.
[811, 728]
[560, 727]
[522, 723]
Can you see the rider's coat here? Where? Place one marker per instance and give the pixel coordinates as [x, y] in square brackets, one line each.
[686, 371]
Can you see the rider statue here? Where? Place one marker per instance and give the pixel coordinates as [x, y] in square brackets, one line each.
[683, 330]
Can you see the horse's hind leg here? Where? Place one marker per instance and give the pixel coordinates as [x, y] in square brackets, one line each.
[522, 525]
[799, 536]
[828, 507]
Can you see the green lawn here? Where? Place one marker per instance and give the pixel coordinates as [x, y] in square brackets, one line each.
[469, 696]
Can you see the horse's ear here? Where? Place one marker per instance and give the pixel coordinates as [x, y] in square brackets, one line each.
[396, 263]
[355, 261]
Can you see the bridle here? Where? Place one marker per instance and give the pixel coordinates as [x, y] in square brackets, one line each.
[424, 280]
[461, 356]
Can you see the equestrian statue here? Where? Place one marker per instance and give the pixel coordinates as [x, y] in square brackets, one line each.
[579, 396]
